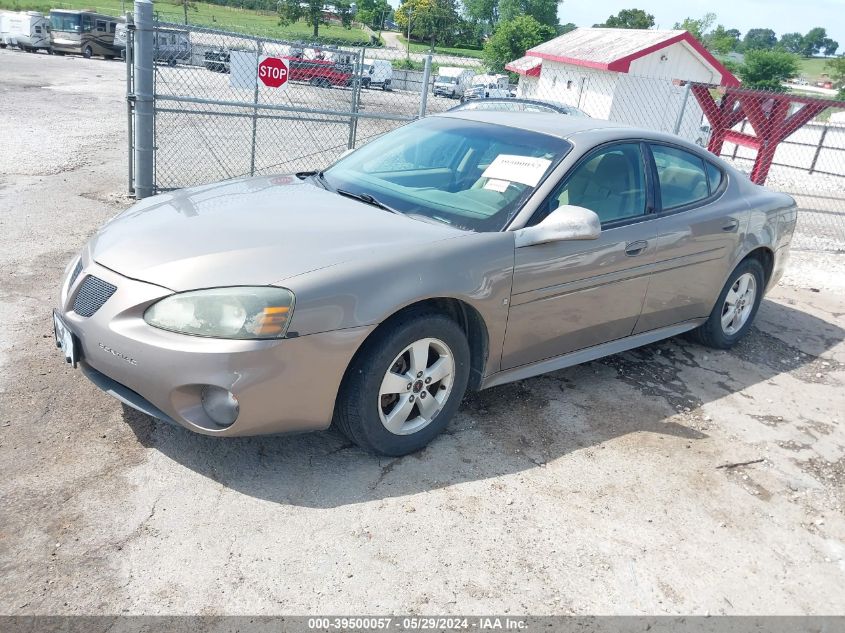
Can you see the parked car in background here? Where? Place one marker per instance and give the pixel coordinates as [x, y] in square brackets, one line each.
[518, 105]
[217, 60]
[377, 73]
[452, 81]
[28, 30]
[462, 251]
[83, 33]
[488, 87]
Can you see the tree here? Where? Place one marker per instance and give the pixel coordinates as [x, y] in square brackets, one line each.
[292, 10]
[722, 40]
[628, 19]
[373, 12]
[485, 11]
[430, 20]
[563, 29]
[836, 69]
[697, 27]
[767, 70]
[792, 43]
[830, 47]
[814, 41]
[544, 11]
[759, 39]
[512, 38]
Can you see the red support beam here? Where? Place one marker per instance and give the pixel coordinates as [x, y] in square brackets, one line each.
[768, 114]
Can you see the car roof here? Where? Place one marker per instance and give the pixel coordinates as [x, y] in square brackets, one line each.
[566, 127]
[549, 123]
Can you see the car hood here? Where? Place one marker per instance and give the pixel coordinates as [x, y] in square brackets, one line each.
[254, 231]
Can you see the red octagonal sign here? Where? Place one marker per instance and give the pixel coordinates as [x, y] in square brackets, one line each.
[273, 71]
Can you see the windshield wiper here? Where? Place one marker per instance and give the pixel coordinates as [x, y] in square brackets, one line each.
[367, 199]
[319, 176]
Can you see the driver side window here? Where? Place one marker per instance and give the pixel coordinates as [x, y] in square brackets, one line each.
[610, 182]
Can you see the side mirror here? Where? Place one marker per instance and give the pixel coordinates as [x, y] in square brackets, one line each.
[564, 223]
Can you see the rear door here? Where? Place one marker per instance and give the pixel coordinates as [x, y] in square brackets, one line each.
[699, 233]
[575, 294]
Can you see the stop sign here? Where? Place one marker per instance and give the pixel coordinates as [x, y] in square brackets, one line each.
[273, 71]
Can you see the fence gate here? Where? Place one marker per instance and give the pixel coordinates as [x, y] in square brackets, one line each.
[210, 105]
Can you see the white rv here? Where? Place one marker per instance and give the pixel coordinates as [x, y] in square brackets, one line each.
[488, 87]
[28, 30]
[452, 82]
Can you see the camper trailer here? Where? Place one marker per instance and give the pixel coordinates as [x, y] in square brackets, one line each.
[28, 30]
[451, 82]
[84, 33]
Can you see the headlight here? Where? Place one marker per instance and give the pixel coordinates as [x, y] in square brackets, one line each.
[263, 312]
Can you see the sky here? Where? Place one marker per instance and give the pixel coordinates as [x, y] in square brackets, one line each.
[782, 16]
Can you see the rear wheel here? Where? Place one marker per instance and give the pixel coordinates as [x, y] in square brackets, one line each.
[87, 52]
[404, 386]
[735, 308]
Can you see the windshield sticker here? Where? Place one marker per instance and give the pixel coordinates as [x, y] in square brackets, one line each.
[497, 185]
[523, 169]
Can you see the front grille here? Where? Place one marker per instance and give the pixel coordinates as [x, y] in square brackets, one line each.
[93, 293]
[76, 270]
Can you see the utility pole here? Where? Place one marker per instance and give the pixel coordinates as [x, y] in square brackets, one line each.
[408, 42]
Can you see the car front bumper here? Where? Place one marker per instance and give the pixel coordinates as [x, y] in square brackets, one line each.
[281, 386]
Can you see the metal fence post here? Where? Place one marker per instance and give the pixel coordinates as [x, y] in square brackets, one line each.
[424, 91]
[819, 148]
[680, 118]
[255, 109]
[144, 82]
[358, 81]
[130, 101]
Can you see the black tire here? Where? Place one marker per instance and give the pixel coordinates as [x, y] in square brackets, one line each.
[357, 412]
[87, 52]
[109, 57]
[711, 333]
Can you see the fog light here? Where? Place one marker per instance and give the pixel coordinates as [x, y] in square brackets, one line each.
[220, 405]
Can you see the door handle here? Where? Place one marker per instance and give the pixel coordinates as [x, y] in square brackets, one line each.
[635, 248]
[730, 226]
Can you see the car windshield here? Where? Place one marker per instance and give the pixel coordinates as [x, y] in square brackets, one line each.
[66, 21]
[446, 80]
[471, 175]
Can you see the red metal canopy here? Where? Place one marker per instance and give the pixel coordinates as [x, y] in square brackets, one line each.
[767, 112]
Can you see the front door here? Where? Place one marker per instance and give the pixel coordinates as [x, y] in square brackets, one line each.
[575, 294]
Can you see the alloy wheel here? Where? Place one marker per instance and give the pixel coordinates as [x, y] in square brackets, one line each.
[416, 386]
[739, 302]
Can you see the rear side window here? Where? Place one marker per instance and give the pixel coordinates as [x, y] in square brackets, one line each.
[681, 175]
[714, 176]
[101, 25]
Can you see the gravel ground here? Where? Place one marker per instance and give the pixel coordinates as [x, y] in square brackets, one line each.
[597, 489]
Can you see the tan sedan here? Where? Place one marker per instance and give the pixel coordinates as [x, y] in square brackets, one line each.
[464, 250]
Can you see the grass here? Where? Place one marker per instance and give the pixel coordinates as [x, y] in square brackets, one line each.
[210, 15]
[417, 47]
[812, 68]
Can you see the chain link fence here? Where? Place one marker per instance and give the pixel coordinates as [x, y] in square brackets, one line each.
[217, 110]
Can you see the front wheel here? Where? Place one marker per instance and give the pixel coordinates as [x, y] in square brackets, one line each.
[404, 386]
[735, 308]
[87, 52]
